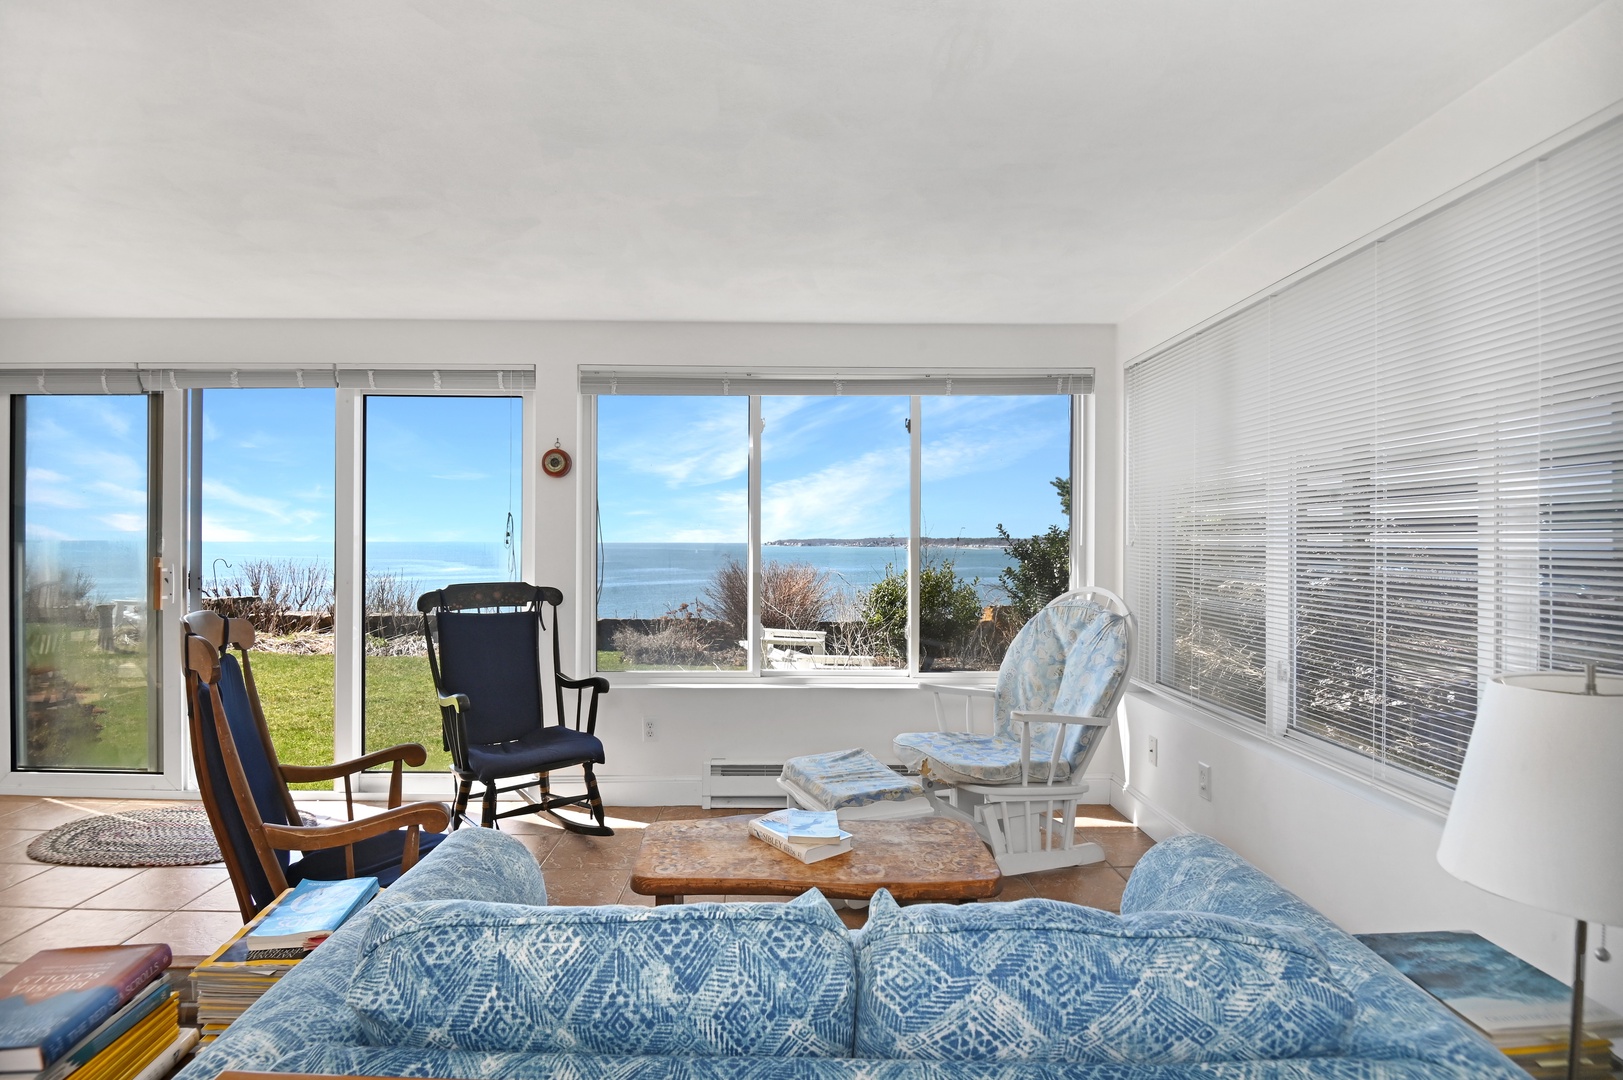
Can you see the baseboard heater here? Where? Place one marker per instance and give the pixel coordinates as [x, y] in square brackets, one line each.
[730, 782]
[733, 782]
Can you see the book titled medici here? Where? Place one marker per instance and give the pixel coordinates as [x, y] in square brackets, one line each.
[55, 997]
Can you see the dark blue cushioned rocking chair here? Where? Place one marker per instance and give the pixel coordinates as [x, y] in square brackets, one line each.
[484, 649]
[245, 791]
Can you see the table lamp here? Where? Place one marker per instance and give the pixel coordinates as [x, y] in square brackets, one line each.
[1538, 812]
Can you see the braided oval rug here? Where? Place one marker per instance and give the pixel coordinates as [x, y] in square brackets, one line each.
[163, 836]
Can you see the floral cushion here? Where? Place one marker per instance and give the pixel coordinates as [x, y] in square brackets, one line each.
[698, 979]
[843, 779]
[958, 757]
[1070, 658]
[1045, 980]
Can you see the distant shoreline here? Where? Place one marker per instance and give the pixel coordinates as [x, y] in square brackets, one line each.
[894, 541]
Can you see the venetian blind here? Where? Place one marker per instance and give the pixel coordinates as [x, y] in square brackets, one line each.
[1357, 498]
[720, 382]
[135, 379]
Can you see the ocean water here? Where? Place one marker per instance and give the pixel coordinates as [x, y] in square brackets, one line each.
[647, 580]
[637, 580]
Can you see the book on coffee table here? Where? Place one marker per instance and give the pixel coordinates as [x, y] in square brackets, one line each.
[809, 835]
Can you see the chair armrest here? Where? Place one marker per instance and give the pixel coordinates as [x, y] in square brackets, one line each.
[433, 817]
[596, 683]
[965, 691]
[410, 753]
[459, 702]
[1058, 718]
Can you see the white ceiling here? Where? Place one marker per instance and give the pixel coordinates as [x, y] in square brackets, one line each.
[816, 160]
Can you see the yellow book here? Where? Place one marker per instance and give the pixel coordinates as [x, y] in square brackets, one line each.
[136, 1047]
[1588, 1046]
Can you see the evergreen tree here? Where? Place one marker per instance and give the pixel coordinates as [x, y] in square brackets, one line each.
[1042, 567]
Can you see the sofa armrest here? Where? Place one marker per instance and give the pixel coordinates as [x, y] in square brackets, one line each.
[307, 1006]
[1395, 1019]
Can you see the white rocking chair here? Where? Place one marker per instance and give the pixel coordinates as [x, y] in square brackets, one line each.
[1057, 692]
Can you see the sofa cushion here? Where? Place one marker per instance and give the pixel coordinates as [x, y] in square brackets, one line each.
[1044, 980]
[696, 980]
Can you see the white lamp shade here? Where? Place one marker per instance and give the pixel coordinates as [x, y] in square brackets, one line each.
[1538, 812]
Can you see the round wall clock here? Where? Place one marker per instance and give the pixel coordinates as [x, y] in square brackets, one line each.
[555, 462]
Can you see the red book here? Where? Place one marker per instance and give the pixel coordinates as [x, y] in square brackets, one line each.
[55, 997]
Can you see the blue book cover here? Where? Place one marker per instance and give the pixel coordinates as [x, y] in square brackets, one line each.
[305, 917]
[805, 826]
[1500, 993]
[57, 996]
[110, 1030]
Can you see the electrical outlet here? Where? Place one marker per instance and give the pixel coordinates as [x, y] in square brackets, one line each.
[1155, 751]
[647, 730]
[1205, 781]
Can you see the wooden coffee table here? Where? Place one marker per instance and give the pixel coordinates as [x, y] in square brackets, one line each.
[933, 858]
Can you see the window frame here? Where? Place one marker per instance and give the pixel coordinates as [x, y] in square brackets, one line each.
[754, 674]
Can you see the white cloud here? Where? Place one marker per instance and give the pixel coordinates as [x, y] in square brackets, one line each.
[36, 531]
[125, 522]
[863, 497]
[42, 495]
[108, 491]
[214, 532]
[705, 449]
[259, 504]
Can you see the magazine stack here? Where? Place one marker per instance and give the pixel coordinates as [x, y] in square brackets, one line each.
[98, 1012]
[289, 929]
[1521, 1010]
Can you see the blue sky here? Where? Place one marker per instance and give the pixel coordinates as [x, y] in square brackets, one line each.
[87, 468]
[439, 468]
[670, 469]
[675, 469]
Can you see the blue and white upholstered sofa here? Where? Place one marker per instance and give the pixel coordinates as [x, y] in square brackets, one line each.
[1213, 971]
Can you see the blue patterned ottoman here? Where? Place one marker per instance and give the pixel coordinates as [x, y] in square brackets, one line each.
[855, 784]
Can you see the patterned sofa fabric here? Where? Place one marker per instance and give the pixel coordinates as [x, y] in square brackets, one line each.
[515, 1065]
[1393, 1018]
[1045, 980]
[721, 980]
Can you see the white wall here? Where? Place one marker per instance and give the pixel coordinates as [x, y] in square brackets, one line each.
[1366, 859]
[695, 723]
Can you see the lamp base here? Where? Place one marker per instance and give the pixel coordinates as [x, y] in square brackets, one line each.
[1575, 1033]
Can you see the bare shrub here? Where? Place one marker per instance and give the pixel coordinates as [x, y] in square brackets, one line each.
[678, 642]
[388, 594]
[794, 596]
[277, 596]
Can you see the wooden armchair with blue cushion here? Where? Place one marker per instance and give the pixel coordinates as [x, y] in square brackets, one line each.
[1057, 692]
[484, 650]
[265, 841]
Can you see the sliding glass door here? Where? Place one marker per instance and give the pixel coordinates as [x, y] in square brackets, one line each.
[85, 494]
[442, 505]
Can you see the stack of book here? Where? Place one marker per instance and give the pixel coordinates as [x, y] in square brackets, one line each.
[809, 835]
[99, 1012]
[295, 923]
[1520, 1009]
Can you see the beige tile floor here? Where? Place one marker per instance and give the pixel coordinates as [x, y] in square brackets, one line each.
[193, 908]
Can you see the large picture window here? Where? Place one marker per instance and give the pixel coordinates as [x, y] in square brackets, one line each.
[885, 525]
[1354, 500]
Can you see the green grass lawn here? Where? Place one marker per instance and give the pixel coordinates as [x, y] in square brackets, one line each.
[297, 695]
[90, 706]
